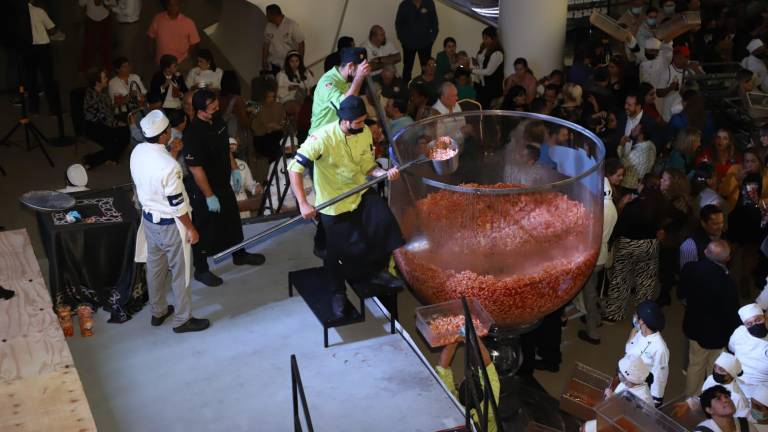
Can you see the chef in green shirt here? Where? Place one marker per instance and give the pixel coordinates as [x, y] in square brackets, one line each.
[338, 83]
[361, 232]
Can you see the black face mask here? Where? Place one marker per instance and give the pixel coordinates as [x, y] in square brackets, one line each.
[650, 56]
[355, 131]
[758, 330]
[718, 377]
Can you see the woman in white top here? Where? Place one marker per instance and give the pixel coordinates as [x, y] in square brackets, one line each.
[205, 74]
[488, 68]
[295, 81]
[126, 89]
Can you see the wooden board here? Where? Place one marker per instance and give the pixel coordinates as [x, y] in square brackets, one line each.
[34, 353]
[609, 26]
[50, 402]
[28, 311]
[17, 259]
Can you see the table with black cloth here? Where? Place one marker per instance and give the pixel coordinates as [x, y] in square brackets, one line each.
[92, 261]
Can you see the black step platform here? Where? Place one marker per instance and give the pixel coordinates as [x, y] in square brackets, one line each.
[311, 283]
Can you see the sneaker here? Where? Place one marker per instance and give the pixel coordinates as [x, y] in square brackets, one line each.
[583, 335]
[209, 279]
[338, 304]
[158, 321]
[385, 278]
[253, 259]
[193, 325]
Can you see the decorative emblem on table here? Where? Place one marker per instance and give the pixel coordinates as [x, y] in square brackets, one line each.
[108, 212]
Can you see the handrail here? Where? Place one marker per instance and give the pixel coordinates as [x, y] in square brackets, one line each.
[297, 389]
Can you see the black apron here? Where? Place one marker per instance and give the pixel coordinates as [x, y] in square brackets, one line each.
[362, 239]
[207, 146]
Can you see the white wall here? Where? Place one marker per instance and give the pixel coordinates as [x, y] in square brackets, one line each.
[319, 20]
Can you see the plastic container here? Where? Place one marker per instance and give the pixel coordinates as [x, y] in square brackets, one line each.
[625, 412]
[440, 324]
[519, 236]
[688, 418]
[583, 391]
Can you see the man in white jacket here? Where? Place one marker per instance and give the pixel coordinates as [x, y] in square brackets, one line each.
[755, 62]
[749, 343]
[645, 341]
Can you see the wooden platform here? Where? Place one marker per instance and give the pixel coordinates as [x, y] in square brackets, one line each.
[40, 389]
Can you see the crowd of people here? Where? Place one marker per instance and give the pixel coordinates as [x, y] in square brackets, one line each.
[685, 188]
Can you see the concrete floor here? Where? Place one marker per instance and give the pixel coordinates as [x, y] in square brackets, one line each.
[235, 376]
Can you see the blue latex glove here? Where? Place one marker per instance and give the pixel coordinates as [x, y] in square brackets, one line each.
[213, 204]
[237, 180]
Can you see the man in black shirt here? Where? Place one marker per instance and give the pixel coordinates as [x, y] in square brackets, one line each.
[711, 313]
[211, 165]
[417, 28]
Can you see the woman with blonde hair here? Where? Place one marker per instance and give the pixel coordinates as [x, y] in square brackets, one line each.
[684, 150]
[572, 107]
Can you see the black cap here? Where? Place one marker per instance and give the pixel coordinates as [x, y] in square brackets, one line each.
[351, 108]
[352, 55]
[652, 315]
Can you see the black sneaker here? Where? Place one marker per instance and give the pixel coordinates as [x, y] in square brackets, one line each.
[208, 278]
[253, 259]
[158, 321]
[193, 325]
[338, 304]
[583, 335]
[385, 278]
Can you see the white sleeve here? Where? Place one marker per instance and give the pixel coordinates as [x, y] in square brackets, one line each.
[310, 81]
[298, 35]
[112, 89]
[493, 63]
[46, 20]
[141, 84]
[217, 78]
[660, 373]
[282, 86]
[173, 188]
[666, 52]
[248, 183]
[193, 73]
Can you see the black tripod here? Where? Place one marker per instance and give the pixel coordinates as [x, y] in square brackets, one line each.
[29, 130]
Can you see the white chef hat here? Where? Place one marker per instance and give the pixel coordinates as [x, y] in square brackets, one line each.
[749, 311]
[652, 43]
[153, 124]
[761, 395]
[754, 44]
[76, 175]
[633, 368]
[730, 363]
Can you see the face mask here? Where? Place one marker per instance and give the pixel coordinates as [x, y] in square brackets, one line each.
[636, 10]
[758, 415]
[650, 56]
[669, 10]
[718, 377]
[175, 134]
[354, 131]
[758, 330]
[651, 22]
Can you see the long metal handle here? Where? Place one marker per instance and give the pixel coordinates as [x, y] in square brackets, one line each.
[221, 256]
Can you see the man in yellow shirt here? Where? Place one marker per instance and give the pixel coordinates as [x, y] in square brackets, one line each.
[338, 83]
[361, 232]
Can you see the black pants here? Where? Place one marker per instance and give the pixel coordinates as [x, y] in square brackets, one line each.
[359, 243]
[113, 140]
[38, 61]
[544, 340]
[409, 54]
[669, 267]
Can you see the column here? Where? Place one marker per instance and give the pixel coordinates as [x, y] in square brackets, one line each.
[535, 30]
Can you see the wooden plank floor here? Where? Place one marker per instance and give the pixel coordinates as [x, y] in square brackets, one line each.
[40, 389]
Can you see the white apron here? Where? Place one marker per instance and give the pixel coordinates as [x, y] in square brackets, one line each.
[141, 247]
